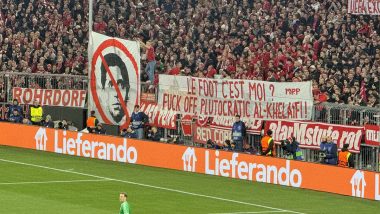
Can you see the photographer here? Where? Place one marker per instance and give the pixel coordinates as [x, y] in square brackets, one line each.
[153, 134]
[328, 152]
[291, 149]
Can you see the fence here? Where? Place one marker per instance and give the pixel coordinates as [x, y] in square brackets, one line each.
[346, 114]
[331, 113]
[8, 80]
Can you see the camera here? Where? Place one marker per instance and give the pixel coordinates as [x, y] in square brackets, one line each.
[322, 154]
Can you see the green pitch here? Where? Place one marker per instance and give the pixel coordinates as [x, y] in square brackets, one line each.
[39, 182]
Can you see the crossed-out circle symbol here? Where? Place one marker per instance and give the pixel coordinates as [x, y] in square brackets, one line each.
[98, 54]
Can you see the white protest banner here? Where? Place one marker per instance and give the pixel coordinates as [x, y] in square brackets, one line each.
[114, 78]
[50, 97]
[365, 7]
[227, 98]
[309, 134]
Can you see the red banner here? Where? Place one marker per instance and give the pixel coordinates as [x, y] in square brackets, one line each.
[50, 97]
[203, 133]
[159, 118]
[309, 134]
[372, 135]
[253, 126]
[368, 7]
[219, 129]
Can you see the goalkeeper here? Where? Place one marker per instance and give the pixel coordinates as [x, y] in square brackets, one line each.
[124, 207]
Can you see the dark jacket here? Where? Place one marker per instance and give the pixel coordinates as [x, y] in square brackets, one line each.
[138, 120]
[99, 131]
[129, 134]
[11, 108]
[238, 130]
[154, 136]
[331, 151]
[49, 124]
[15, 118]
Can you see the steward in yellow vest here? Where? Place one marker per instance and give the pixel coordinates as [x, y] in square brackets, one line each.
[36, 113]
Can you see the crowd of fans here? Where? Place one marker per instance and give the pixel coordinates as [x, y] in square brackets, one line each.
[275, 40]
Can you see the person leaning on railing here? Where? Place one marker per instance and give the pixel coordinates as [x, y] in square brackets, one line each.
[36, 113]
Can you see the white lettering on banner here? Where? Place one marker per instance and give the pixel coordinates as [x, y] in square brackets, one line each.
[50, 97]
[369, 7]
[94, 149]
[309, 134]
[159, 117]
[373, 135]
[251, 171]
[253, 126]
[226, 98]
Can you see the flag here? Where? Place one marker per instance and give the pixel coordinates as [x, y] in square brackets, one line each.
[363, 91]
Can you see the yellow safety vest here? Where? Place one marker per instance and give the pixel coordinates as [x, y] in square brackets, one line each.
[36, 114]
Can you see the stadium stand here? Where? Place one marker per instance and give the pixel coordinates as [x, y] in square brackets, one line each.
[244, 39]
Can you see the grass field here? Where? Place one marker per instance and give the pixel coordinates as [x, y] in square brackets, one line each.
[39, 182]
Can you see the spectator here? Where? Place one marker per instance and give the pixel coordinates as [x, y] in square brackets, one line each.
[71, 126]
[151, 59]
[153, 134]
[26, 121]
[128, 133]
[138, 120]
[99, 129]
[48, 123]
[36, 113]
[227, 145]
[14, 105]
[15, 117]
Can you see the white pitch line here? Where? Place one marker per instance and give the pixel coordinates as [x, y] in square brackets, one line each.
[151, 186]
[272, 211]
[51, 182]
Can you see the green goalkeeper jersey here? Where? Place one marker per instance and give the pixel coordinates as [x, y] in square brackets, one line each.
[124, 208]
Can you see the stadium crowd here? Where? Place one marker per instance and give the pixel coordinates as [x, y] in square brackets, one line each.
[275, 40]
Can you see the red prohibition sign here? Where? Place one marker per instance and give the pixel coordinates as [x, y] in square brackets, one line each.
[98, 53]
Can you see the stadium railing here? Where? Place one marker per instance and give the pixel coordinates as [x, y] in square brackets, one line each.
[9, 80]
[332, 113]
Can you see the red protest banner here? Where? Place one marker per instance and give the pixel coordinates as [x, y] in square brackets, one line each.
[372, 135]
[201, 134]
[253, 126]
[309, 134]
[157, 117]
[50, 97]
